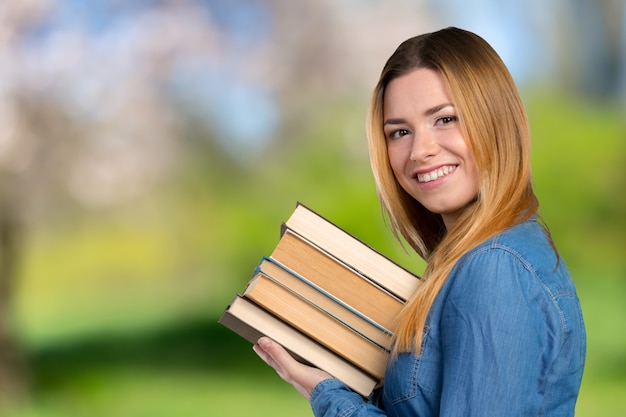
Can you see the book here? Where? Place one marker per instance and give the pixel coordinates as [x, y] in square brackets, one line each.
[251, 322]
[327, 297]
[338, 278]
[330, 304]
[318, 324]
[352, 251]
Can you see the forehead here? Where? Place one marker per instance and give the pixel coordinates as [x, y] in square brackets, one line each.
[418, 90]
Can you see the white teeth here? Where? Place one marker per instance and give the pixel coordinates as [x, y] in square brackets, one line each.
[435, 174]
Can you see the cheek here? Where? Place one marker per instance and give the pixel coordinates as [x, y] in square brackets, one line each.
[396, 159]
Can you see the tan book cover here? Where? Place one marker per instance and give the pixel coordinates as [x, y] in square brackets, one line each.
[352, 251]
[337, 278]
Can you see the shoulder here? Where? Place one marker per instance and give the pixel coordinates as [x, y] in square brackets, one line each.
[526, 242]
[513, 273]
[520, 251]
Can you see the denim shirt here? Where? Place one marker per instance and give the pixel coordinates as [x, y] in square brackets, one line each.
[504, 337]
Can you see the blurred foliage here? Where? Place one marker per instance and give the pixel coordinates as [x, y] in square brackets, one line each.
[579, 155]
[118, 307]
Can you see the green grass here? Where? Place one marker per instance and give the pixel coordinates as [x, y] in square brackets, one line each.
[129, 392]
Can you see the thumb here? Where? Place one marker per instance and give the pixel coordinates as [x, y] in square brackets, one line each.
[276, 356]
[304, 378]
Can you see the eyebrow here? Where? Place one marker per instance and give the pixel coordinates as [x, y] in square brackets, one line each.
[436, 109]
[427, 112]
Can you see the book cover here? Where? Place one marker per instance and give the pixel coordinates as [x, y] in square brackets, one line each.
[352, 251]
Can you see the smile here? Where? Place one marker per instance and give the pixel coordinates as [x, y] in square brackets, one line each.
[435, 174]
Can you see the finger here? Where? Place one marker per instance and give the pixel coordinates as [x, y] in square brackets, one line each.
[277, 357]
[266, 357]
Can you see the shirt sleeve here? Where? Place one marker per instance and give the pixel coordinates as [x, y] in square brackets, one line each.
[498, 334]
[332, 398]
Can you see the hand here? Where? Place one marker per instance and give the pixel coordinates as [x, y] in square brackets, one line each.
[304, 378]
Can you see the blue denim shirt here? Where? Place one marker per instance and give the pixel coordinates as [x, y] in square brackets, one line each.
[505, 337]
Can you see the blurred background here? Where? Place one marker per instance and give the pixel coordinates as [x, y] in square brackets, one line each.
[150, 149]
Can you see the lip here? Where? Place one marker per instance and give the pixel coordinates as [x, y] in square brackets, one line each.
[424, 177]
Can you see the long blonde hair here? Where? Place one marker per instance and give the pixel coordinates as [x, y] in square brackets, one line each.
[493, 121]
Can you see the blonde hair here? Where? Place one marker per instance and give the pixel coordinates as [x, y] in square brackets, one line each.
[493, 121]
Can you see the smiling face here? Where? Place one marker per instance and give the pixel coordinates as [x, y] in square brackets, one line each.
[427, 152]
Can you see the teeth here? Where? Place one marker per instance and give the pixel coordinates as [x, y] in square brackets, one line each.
[436, 174]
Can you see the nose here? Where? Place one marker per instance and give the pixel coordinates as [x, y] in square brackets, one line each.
[424, 146]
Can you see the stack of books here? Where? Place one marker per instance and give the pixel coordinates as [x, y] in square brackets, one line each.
[327, 297]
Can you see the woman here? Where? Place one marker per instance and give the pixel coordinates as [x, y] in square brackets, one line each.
[496, 329]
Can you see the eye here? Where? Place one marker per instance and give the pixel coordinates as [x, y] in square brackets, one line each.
[446, 120]
[397, 133]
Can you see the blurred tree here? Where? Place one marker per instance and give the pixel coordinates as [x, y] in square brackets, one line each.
[15, 20]
[84, 118]
[13, 372]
